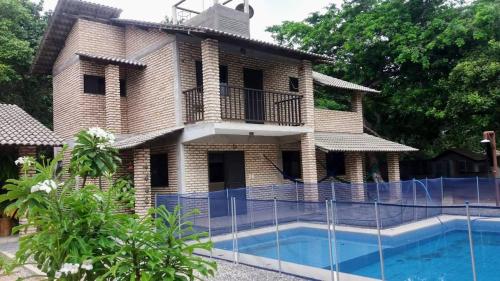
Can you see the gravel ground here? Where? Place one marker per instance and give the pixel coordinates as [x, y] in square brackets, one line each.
[229, 271]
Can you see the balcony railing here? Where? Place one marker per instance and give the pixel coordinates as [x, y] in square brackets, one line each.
[250, 105]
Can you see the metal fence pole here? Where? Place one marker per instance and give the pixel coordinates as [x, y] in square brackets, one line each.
[297, 200]
[277, 235]
[209, 222]
[378, 192]
[477, 189]
[414, 200]
[471, 243]
[232, 228]
[333, 210]
[180, 213]
[236, 230]
[334, 194]
[330, 253]
[381, 254]
[442, 192]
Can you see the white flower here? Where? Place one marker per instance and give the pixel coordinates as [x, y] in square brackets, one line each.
[25, 160]
[46, 185]
[68, 268]
[87, 265]
[58, 274]
[104, 138]
[101, 146]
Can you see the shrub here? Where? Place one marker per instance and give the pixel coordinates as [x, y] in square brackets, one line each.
[81, 233]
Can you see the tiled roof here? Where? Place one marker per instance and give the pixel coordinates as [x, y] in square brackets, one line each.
[222, 35]
[326, 80]
[111, 60]
[18, 128]
[357, 142]
[133, 140]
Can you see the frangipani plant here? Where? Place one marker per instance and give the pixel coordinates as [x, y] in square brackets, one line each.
[81, 233]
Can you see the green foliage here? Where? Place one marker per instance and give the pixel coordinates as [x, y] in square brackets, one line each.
[93, 156]
[21, 27]
[436, 62]
[81, 233]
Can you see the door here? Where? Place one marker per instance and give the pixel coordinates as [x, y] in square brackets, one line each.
[254, 95]
[227, 176]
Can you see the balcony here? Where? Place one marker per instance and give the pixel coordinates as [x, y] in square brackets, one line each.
[248, 105]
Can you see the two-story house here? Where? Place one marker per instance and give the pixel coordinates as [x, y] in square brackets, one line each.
[201, 106]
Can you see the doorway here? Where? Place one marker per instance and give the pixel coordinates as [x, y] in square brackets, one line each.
[253, 82]
[226, 170]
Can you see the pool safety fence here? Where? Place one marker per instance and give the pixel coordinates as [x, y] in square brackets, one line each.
[254, 225]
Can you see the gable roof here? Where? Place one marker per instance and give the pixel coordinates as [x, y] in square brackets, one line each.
[133, 140]
[68, 11]
[60, 24]
[463, 152]
[357, 142]
[18, 128]
[325, 80]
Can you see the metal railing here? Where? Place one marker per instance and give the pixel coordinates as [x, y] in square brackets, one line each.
[259, 106]
[194, 107]
[249, 105]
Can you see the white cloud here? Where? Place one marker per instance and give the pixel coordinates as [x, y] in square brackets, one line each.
[267, 12]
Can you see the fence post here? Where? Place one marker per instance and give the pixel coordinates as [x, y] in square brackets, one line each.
[442, 192]
[180, 213]
[297, 200]
[471, 243]
[477, 189]
[330, 253]
[414, 200]
[378, 192]
[333, 210]
[209, 221]
[380, 251]
[236, 229]
[277, 235]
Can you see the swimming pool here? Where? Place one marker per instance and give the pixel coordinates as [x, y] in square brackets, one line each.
[440, 252]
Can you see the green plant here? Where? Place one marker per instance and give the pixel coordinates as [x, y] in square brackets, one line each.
[81, 233]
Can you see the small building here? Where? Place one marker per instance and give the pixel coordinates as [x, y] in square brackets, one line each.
[22, 135]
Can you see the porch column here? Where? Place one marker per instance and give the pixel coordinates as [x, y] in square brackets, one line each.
[357, 103]
[142, 182]
[27, 151]
[393, 175]
[307, 141]
[112, 98]
[354, 171]
[211, 85]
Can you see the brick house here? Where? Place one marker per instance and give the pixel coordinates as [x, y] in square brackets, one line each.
[201, 106]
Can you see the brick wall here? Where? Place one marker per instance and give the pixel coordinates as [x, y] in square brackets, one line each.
[337, 121]
[171, 151]
[101, 38]
[112, 99]
[258, 171]
[142, 180]
[355, 172]
[137, 40]
[150, 93]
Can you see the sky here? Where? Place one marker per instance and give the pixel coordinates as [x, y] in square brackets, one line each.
[267, 12]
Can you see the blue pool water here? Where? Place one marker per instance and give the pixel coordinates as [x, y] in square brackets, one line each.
[443, 256]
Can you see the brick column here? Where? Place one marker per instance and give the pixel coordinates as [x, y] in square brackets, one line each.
[142, 181]
[354, 171]
[307, 142]
[29, 151]
[357, 103]
[393, 175]
[211, 85]
[113, 103]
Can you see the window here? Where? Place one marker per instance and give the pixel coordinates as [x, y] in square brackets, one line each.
[94, 84]
[216, 167]
[223, 75]
[293, 84]
[291, 164]
[123, 88]
[335, 164]
[159, 170]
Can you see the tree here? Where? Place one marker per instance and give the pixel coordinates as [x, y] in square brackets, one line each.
[21, 27]
[436, 63]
